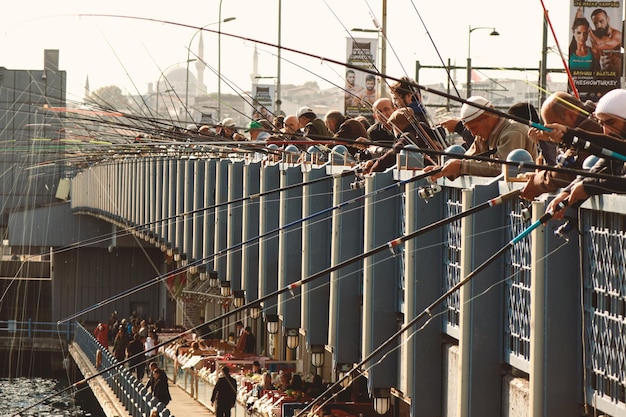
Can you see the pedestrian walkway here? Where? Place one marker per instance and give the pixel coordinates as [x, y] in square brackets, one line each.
[183, 405]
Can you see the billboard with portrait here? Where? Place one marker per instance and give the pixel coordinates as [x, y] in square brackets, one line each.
[361, 88]
[595, 56]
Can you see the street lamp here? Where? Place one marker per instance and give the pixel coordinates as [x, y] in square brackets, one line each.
[469, 59]
[228, 19]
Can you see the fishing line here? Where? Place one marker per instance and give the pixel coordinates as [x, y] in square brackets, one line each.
[224, 251]
[432, 41]
[427, 311]
[297, 284]
[565, 64]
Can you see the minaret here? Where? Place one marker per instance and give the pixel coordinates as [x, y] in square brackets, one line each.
[255, 66]
[87, 91]
[200, 67]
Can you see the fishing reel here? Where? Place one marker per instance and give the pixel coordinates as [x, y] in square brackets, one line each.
[428, 191]
[359, 179]
[525, 212]
[563, 230]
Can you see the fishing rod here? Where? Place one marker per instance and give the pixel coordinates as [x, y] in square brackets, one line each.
[428, 311]
[292, 286]
[570, 78]
[224, 251]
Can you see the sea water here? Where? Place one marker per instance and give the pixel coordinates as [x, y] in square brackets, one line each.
[19, 393]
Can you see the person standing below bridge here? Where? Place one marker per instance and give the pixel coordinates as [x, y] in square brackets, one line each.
[158, 384]
[224, 393]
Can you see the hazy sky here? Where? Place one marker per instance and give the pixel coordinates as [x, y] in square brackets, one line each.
[131, 53]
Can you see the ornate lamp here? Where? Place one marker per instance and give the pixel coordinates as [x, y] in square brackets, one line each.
[293, 338]
[239, 298]
[271, 323]
[213, 281]
[255, 311]
[317, 355]
[344, 370]
[225, 288]
[382, 400]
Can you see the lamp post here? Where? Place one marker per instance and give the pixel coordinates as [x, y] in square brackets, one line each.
[469, 56]
[228, 19]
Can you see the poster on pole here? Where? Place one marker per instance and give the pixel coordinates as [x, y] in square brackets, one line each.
[361, 88]
[263, 105]
[595, 49]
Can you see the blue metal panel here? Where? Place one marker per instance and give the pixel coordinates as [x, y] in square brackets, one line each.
[208, 246]
[424, 353]
[563, 371]
[181, 191]
[484, 310]
[269, 207]
[158, 198]
[316, 243]
[189, 187]
[234, 210]
[198, 213]
[250, 230]
[221, 216]
[381, 280]
[345, 318]
[290, 247]
[171, 202]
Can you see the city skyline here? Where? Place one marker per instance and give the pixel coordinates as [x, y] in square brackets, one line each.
[132, 53]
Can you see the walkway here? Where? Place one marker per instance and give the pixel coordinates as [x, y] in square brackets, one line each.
[182, 405]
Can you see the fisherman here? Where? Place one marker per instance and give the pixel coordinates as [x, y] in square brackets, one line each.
[565, 109]
[344, 127]
[312, 126]
[381, 130]
[494, 134]
[611, 114]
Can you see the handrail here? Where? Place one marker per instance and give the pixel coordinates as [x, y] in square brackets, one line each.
[131, 392]
[36, 328]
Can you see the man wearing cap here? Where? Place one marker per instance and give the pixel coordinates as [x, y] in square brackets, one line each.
[494, 135]
[565, 109]
[227, 129]
[255, 129]
[611, 114]
[313, 127]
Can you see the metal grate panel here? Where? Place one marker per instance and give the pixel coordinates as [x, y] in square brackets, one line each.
[517, 290]
[452, 260]
[604, 269]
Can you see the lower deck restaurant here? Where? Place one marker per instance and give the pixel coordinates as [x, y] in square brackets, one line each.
[272, 388]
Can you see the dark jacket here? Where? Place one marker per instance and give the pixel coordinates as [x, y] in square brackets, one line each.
[159, 387]
[225, 392]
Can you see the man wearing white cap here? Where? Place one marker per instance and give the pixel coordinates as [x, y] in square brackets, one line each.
[312, 126]
[611, 114]
[494, 135]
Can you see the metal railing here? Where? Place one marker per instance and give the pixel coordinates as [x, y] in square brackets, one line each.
[131, 392]
[31, 329]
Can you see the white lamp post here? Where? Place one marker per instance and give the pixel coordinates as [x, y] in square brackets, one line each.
[469, 56]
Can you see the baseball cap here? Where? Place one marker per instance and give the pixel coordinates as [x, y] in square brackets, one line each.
[613, 103]
[304, 110]
[469, 112]
[254, 125]
[228, 122]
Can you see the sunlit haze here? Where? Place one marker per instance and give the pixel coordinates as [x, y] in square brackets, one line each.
[132, 53]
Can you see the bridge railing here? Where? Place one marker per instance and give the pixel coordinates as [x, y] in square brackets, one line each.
[31, 329]
[131, 392]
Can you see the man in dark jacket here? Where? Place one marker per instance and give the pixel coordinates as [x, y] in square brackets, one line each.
[224, 394]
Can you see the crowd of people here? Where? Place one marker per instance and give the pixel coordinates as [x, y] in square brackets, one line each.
[134, 340]
[403, 120]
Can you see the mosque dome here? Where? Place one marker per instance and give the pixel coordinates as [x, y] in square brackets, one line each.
[176, 78]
